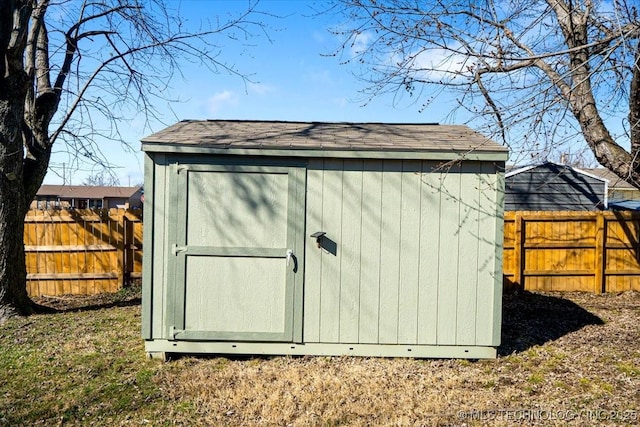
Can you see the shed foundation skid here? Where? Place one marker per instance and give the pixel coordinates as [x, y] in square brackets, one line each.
[366, 350]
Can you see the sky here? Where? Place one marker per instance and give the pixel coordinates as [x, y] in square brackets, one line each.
[292, 78]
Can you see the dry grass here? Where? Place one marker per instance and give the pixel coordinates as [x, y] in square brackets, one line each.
[562, 354]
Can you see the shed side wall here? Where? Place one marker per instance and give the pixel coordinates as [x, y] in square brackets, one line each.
[410, 255]
[156, 230]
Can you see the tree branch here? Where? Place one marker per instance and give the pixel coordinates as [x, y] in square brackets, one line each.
[492, 105]
[634, 108]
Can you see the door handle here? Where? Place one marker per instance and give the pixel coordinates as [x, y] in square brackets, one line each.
[291, 256]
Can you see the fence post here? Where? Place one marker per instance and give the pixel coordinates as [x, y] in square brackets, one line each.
[518, 276]
[601, 252]
[127, 251]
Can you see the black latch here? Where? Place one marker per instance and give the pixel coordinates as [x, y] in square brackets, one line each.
[318, 235]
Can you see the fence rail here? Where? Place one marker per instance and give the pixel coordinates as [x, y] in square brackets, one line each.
[572, 251]
[82, 251]
[94, 251]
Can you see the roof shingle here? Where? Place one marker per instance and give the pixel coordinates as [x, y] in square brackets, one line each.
[279, 135]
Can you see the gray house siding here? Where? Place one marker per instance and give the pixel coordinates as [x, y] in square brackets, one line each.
[550, 187]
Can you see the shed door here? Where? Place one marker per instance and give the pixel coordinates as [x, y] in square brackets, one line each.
[237, 257]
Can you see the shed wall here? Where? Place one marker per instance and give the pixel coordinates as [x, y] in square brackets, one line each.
[155, 267]
[414, 253]
[411, 256]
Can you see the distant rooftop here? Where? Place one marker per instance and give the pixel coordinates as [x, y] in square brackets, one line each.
[86, 191]
[614, 180]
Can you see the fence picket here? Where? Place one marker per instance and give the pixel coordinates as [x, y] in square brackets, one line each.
[80, 251]
[572, 251]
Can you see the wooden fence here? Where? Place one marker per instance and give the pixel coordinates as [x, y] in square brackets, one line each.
[94, 251]
[572, 251]
[82, 251]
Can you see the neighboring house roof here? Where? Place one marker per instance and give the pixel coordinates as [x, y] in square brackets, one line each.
[86, 192]
[514, 170]
[614, 180]
[298, 138]
[625, 205]
[554, 186]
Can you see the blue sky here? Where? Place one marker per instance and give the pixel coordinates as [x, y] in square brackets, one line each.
[291, 79]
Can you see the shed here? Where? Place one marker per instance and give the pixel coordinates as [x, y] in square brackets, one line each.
[365, 239]
[553, 186]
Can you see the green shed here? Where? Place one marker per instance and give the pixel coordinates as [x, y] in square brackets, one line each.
[369, 239]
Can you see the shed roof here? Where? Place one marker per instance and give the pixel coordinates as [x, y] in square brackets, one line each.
[322, 139]
[86, 191]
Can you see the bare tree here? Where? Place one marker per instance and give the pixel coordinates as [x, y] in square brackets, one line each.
[102, 178]
[71, 69]
[538, 75]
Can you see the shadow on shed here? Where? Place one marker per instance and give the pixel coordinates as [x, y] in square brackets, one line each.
[530, 319]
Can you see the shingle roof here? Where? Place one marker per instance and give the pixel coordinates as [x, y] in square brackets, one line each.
[300, 136]
[86, 192]
[614, 180]
[515, 170]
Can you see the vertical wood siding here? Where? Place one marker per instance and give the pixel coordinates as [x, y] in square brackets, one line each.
[157, 172]
[411, 257]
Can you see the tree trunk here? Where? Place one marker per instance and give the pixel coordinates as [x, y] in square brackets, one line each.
[13, 293]
[14, 83]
